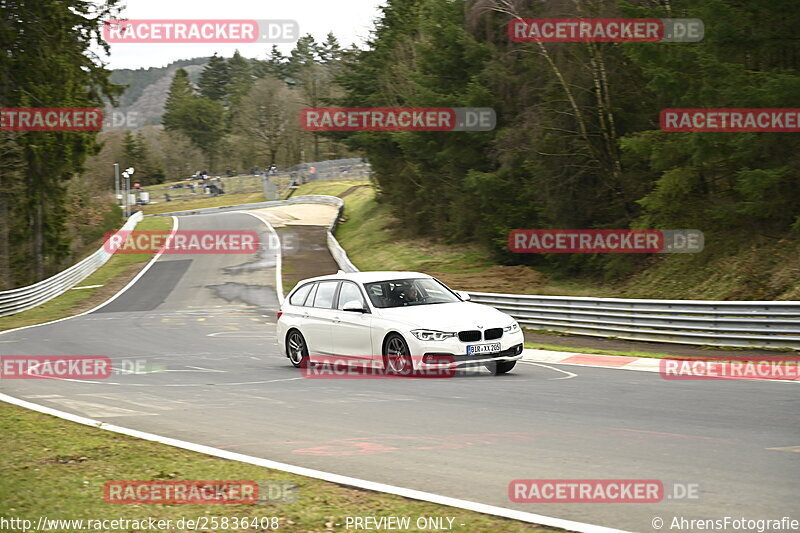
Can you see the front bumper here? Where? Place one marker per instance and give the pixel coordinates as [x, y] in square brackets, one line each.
[452, 353]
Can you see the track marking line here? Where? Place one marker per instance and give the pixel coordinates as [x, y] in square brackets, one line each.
[568, 374]
[97, 409]
[206, 369]
[241, 334]
[121, 398]
[674, 435]
[278, 256]
[795, 449]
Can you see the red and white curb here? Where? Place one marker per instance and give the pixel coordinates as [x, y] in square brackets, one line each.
[616, 362]
[644, 364]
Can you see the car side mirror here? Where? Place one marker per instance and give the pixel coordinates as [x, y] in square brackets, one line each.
[354, 306]
[464, 296]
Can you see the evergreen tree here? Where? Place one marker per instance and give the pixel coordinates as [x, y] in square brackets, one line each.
[241, 78]
[215, 79]
[48, 61]
[180, 93]
[275, 65]
[304, 54]
[330, 51]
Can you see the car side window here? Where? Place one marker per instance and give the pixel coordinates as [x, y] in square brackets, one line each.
[299, 296]
[325, 293]
[348, 293]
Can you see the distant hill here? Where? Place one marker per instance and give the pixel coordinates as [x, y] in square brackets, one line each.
[148, 88]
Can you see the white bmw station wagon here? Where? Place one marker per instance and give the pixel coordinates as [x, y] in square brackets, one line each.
[404, 320]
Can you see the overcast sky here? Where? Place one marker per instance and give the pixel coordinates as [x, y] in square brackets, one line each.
[349, 20]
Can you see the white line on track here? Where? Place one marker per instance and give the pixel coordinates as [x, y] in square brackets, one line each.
[568, 374]
[278, 255]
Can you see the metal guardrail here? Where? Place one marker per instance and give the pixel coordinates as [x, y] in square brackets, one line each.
[717, 323]
[24, 298]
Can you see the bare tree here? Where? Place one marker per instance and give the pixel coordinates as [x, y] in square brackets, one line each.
[267, 113]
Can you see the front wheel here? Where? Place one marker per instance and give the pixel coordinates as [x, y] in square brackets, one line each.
[500, 367]
[297, 349]
[397, 356]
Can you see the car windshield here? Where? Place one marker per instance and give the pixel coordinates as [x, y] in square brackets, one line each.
[403, 292]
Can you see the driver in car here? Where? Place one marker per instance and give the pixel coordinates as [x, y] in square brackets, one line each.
[410, 294]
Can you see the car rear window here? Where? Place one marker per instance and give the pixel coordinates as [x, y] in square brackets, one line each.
[325, 292]
[299, 296]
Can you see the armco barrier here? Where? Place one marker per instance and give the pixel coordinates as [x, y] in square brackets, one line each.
[716, 323]
[23, 298]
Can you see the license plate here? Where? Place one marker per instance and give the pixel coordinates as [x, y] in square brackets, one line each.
[478, 349]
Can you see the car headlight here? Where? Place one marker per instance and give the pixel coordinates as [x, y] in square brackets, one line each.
[431, 335]
[513, 328]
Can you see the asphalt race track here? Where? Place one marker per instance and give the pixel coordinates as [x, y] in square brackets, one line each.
[204, 326]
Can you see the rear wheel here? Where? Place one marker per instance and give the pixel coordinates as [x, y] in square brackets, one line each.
[397, 356]
[297, 349]
[500, 367]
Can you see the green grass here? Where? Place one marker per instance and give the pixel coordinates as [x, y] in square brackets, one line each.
[201, 202]
[111, 276]
[58, 469]
[332, 188]
[367, 233]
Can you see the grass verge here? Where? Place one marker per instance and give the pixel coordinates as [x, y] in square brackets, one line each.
[58, 469]
[370, 234]
[111, 277]
[201, 202]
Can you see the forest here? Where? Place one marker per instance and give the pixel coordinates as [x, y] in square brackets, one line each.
[577, 142]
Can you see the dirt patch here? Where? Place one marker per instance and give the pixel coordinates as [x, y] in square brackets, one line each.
[305, 253]
[351, 189]
[299, 214]
[504, 279]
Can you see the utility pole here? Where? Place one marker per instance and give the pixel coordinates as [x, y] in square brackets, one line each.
[126, 190]
[117, 197]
